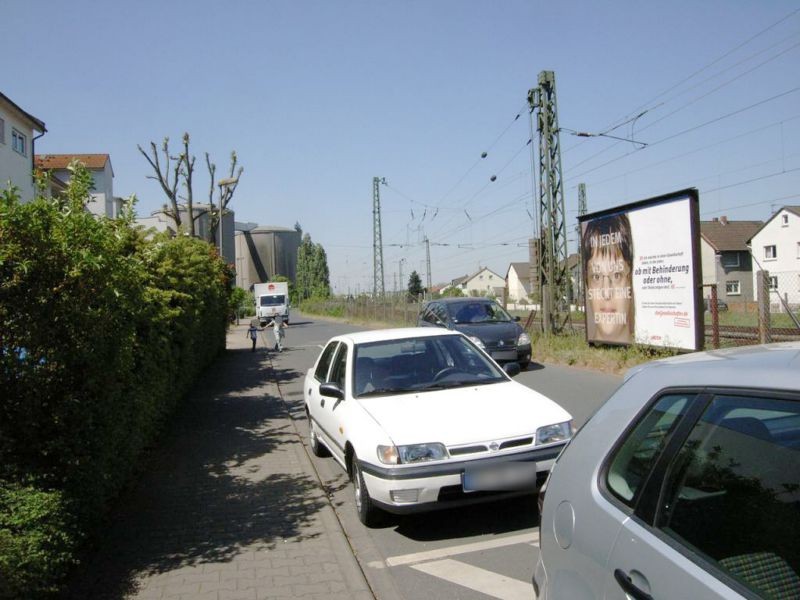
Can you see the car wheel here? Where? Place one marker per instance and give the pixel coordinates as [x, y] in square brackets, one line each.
[317, 448]
[523, 366]
[368, 513]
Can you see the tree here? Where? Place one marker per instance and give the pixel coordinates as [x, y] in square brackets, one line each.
[177, 169]
[414, 286]
[313, 275]
[452, 292]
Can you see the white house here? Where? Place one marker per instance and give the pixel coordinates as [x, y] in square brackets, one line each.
[103, 202]
[725, 258]
[483, 283]
[17, 138]
[518, 280]
[776, 248]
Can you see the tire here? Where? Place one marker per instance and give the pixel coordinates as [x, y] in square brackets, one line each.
[369, 514]
[524, 365]
[317, 447]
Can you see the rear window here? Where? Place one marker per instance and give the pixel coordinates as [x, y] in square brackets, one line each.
[732, 494]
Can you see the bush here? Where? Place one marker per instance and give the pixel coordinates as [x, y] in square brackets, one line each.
[102, 331]
[37, 540]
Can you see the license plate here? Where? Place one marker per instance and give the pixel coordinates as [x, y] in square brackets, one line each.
[504, 355]
[509, 476]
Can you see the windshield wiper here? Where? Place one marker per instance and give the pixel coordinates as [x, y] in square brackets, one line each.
[386, 390]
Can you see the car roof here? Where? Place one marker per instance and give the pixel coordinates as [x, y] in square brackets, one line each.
[398, 333]
[773, 366]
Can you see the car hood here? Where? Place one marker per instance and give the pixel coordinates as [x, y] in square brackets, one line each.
[490, 333]
[464, 415]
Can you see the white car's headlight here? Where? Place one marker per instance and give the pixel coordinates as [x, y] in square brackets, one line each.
[477, 341]
[549, 434]
[524, 339]
[413, 453]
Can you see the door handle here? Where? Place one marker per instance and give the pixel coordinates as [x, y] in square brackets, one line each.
[626, 583]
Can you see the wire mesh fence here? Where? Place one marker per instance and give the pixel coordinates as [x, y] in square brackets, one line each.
[772, 316]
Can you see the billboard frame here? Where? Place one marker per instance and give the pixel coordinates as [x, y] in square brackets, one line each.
[697, 277]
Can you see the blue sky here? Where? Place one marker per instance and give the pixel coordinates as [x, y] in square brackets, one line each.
[318, 97]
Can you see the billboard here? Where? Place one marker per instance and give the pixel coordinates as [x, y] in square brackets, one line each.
[641, 268]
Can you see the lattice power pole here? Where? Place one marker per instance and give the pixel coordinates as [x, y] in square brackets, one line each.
[378, 289]
[554, 275]
[428, 262]
[581, 212]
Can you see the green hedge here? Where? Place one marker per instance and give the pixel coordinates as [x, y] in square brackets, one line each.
[102, 331]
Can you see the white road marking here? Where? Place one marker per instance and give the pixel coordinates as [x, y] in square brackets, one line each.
[487, 582]
[417, 557]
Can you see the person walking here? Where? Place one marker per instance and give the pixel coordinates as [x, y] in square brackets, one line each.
[252, 333]
[278, 325]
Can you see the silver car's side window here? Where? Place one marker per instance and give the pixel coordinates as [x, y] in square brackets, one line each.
[733, 492]
[633, 461]
[321, 372]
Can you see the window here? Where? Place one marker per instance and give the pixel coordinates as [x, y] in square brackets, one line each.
[633, 460]
[784, 220]
[730, 259]
[740, 465]
[2, 131]
[18, 141]
[770, 251]
[321, 374]
[732, 288]
[773, 283]
[339, 367]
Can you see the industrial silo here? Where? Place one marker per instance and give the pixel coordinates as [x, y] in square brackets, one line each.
[265, 251]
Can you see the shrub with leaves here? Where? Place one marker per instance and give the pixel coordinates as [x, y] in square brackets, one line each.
[101, 332]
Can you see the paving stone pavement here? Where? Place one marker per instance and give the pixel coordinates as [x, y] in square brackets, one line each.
[229, 506]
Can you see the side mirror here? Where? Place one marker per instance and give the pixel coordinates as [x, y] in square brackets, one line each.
[512, 369]
[516, 318]
[332, 390]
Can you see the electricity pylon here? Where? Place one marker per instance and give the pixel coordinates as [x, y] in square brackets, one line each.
[378, 289]
[553, 271]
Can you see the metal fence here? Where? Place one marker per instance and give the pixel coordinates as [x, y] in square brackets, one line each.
[773, 316]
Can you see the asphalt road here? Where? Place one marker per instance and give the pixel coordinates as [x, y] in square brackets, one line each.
[471, 553]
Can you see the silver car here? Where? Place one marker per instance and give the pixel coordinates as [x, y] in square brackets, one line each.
[685, 484]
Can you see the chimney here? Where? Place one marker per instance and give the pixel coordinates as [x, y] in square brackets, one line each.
[724, 220]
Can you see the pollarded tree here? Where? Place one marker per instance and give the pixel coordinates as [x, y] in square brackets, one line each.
[180, 169]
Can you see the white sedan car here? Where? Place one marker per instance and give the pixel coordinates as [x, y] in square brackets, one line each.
[422, 418]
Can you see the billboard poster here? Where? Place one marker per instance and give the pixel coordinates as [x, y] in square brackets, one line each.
[642, 273]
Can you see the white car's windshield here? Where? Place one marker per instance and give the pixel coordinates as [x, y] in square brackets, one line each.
[425, 363]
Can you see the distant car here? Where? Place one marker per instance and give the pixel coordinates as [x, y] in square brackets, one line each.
[722, 306]
[684, 484]
[485, 322]
[420, 419]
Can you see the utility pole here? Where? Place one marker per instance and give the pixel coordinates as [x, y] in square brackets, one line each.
[553, 272]
[378, 288]
[400, 269]
[581, 212]
[428, 261]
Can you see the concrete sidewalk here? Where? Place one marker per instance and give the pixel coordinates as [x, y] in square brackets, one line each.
[229, 506]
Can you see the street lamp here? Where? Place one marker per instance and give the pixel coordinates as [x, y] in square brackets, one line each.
[227, 183]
